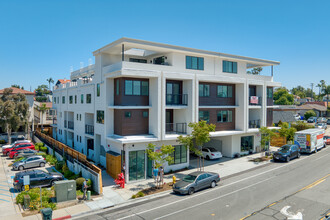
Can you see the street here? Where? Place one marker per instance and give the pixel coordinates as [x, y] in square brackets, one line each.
[258, 194]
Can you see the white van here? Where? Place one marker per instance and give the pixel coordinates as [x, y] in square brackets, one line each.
[309, 140]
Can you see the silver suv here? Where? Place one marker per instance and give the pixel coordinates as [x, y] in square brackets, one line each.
[32, 161]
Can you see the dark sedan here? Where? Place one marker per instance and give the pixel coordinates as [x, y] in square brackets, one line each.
[286, 153]
[196, 181]
[38, 178]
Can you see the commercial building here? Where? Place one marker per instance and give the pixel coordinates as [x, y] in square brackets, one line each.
[140, 92]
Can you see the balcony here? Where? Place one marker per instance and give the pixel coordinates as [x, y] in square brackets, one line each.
[176, 128]
[89, 129]
[254, 123]
[176, 99]
[71, 125]
[65, 123]
[54, 121]
[255, 100]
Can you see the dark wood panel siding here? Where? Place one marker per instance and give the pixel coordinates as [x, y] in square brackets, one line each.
[220, 126]
[134, 125]
[269, 117]
[129, 100]
[213, 99]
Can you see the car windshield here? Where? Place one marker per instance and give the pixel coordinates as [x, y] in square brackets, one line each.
[285, 148]
[319, 124]
[213, 149]
[189, 178]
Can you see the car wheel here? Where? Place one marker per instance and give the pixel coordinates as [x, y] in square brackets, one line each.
[213, 184]
[7, 153]
[315, 149]
[20, 168]
[287, 158]
[298, 155]
[42, 164]
[207, 157]
[191, 191]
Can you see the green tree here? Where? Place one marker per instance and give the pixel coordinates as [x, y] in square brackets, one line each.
[282, 97]
[255, 71]
[310, 93]
[299, 91]
[14, 111]
[266, 135]
[310, 113]
[287, 132]
[42, 90]
[42, 109]
[50, 81]
[199, 136]
[17, 86]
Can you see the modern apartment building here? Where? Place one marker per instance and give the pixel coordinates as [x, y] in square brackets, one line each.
[141, 92]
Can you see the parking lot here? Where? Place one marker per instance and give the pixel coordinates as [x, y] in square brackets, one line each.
[7, 193]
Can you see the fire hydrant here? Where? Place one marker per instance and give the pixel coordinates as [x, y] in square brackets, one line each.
[120, 180]
[174, 179]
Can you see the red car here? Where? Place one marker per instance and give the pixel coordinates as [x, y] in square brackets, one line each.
[18, 147]
[326, 140]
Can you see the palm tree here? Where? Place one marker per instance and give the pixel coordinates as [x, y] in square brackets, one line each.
[42, 109]
[50, 81]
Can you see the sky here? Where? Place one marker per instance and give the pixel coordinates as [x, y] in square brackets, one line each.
[43, 39]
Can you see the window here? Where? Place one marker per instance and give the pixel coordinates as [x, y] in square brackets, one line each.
[179, 154]
[225, 116]
[55, 100]
[145, 114]
[137, 60]
[98, 90]
[100, 117]
[204, 90]
[80, 139]
[204, 115]
[225, 91]
[195, 63]
[117, 86]
[77, 138]
[229, 67]
[63, 99]
[70, 99]
[82, 99]
[77, 117]
[58, 100]
[270, 93]
[88, 98]
[75, 99]
[80, 117]
[135, 88]
[247, 143]
[127, 114]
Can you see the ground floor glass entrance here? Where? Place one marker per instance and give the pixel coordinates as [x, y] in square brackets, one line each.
[136, 165]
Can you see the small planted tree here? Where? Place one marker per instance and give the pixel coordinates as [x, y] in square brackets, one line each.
[287, 132]
[199, 136]
[266, 136]
[309, 114]
[161, 156]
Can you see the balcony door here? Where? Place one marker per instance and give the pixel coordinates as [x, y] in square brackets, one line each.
[173, 93]
[169, 120]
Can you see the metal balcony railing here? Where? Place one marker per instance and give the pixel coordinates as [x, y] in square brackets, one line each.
[176, 99]
[89, 129]
[71, 125]
[176, 128]
[255, 100]
[254, 123]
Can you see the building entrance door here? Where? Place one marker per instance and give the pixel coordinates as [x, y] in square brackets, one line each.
[136, 165]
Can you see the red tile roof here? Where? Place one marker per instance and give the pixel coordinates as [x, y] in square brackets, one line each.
[62, 81]
[17, 90]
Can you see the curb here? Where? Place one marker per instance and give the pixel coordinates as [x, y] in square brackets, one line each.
[63, 217]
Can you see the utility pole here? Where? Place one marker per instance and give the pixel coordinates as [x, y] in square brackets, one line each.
[312, 84]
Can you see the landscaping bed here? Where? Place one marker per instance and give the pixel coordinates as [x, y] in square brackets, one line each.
[153, 190]
[261, 159]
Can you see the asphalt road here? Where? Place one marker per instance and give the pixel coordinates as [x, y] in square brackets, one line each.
[303, 184]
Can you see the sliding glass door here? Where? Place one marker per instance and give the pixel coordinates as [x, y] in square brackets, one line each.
[136, 165]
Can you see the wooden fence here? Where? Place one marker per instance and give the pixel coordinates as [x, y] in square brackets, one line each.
[71, 152]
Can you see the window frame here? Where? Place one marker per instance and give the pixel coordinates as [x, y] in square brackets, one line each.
[229, 66]
[136, 87]
[182, 158]
[98, 90]
[227, 88]
[101, 116]
[194, 63]
[88, 98]
[203, 116]
[203, 92]
[229, 116]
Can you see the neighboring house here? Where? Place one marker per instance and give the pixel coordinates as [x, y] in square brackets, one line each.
[141, 92]
[47, 118]
[306, 100]
[320, 109]
[326, 98]
[61, 81]
[29, 97]
[285, 113]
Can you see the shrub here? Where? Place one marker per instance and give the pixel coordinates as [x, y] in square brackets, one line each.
[2, 141]
[134, 196]
[89, 183]
[51, 160]
[68, 174]
[310, 113]
[38, 146]
[140, 194]
[65, 168]
[42, 154]
[79, 182]
[44, 149]
[59, 165]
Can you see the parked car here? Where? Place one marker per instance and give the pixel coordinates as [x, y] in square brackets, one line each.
[29, 162]
[326, 140]
[196, 181]
[321, 125]
[286, 153]
[13, 144]
[211, 153]
[312, 120]
[321, 120]
[18, 147]
[328, 121]
[37, 178]
[22, 153]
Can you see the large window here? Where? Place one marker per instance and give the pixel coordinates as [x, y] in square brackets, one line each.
[82, 98]
[88, 98]
[195, 63]
[204, 90]
[270, 93]
[225, 91]
[75, 99]
[247, 143]
[70, 99]
[98, 90]
[63, 99]
[225, 116]
[179, 154]
[100, 117]
[229, 67]
[204, 115]
[136, 87]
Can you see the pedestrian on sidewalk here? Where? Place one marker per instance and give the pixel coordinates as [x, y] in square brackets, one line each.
[161, 175]
[155, 174]
[84, 188]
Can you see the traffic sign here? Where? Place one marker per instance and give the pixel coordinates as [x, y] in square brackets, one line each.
[26, 187]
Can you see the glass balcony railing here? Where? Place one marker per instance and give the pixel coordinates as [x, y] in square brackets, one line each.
[89, 129]
[254, 123]
[176, 99]
[176, 128]
[71, 125]
[255, 100]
